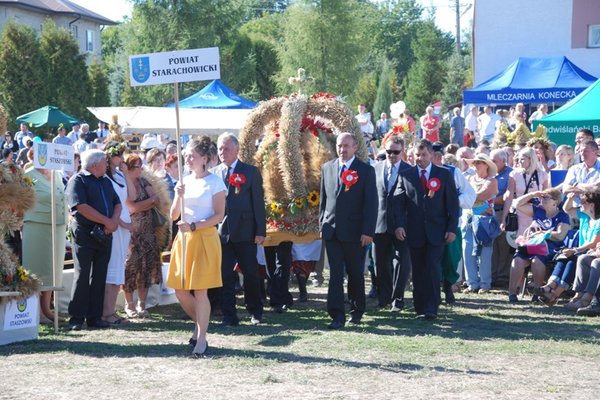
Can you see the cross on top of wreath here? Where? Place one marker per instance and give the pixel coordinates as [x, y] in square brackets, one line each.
[301, 80]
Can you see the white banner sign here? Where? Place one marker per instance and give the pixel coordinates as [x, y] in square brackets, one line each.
[174, 66]
[21, 314]
[53, 156]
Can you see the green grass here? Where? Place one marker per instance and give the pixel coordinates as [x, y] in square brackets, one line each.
[483, 345]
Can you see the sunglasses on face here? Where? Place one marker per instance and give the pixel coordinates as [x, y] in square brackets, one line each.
[395, 152]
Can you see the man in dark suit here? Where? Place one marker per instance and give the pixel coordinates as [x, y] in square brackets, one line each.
[348, 214]
[392, 259]
[426, 213]
[242, 229]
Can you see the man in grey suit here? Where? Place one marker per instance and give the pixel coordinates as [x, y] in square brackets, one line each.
[348, 214]
[425, 207]
[242, 229]
[392, 259]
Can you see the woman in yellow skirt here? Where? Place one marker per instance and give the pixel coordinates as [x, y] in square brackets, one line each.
[204, 202]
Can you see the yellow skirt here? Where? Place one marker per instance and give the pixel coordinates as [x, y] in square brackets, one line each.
[202, 261]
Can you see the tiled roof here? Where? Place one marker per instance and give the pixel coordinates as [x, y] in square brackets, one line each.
[59, 7]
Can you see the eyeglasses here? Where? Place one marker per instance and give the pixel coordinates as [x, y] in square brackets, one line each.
[395, 152]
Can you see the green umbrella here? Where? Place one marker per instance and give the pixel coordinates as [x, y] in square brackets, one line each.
[48, 115]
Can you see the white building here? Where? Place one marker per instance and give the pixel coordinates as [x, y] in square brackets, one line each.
[504, 30]
[84, 25]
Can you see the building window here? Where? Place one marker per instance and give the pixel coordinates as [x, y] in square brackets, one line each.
[89, 43]
[74, 31]
[594, 36]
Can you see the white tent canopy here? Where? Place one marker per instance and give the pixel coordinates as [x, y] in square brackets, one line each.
[161, 120]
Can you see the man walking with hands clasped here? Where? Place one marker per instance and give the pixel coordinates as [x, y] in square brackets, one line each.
[347, 219]
[425, 208]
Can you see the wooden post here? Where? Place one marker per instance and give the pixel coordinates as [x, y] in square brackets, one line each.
[53, 226]
[180, 166]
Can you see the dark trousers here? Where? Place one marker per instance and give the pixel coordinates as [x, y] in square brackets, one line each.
[346, 256]
[279, 262]
[426, 280]
[244, 253]
[392, 267]
[90, 260]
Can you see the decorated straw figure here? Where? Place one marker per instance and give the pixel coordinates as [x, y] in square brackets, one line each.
[16, 197]
[298, 137]
[115, 131]
[521, 136]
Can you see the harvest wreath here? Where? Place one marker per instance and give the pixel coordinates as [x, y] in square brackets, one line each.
[298, 136]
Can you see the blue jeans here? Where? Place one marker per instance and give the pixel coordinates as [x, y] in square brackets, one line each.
[564, 272]
[478, 269]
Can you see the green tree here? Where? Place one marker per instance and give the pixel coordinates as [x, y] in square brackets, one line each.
[98, 94]
[394, 31]
[366, 88]
[66, 71]
[22, 80]
[426, 76]
[325, 37]
[384, 96]
[456, 79]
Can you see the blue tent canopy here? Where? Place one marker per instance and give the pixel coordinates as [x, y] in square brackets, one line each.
[215, 95]
[532, 80]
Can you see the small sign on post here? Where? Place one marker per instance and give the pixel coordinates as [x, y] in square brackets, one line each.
[175, 67]
[52, 156]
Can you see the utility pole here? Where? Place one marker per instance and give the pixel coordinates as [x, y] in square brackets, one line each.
[457, 4]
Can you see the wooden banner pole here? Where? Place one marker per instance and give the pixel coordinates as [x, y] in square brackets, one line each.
[180, 166]
[54, 266]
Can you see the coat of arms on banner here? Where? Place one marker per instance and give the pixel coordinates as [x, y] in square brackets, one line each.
[43, 156]
[140, 69]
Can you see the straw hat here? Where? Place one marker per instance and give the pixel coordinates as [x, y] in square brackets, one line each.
[492, 169]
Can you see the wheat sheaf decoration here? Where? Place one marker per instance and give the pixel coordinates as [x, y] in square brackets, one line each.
[296, 136]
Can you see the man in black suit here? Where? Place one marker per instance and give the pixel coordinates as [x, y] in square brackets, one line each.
[426, 213]
[242, 229]
[348, 214]
[392, 259]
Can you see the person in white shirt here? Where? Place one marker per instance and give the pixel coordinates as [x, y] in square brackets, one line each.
[80, 144]
[471, 127]
[74, 134]
[364, 121]
[486, 124]
[542, 111]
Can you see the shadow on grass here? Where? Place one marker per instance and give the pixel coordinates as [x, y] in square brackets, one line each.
[111, 350]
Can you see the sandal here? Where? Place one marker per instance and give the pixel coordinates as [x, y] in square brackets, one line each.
[131, 313]
[117, 321]
[141, 310]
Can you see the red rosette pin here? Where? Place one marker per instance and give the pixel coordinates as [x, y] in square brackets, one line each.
[433, 184]
[237, 180]
[349, 178]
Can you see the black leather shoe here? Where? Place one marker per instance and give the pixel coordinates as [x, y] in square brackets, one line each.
[75, 327]
[230, 322]
[334, 325]
[354, 321]
[255, 320]
[279, 309]
[98, 324]
[397, 305]
[426, 317]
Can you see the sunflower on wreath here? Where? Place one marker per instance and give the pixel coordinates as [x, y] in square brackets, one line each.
[313, 198]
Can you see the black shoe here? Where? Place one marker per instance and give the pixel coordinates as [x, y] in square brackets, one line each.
[230, 322]
[303, 298]
[279, 309]
[426, 317]
[75, 327]
[98, 324]
[448, 293]
[512, 298]
[201, 355]
[193, 342]
[255, 320]
[593, 310]
[335, 325]
[535, 299]
[354, 321]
